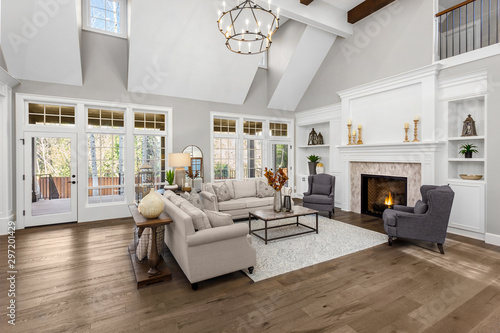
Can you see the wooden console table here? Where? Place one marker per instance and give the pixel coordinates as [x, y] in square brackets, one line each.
[155, 270]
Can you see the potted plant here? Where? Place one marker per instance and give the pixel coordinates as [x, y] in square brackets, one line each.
[169, 175]
[313, 161]
[467, 150]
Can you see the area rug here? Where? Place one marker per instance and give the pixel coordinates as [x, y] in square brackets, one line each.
[335, 239]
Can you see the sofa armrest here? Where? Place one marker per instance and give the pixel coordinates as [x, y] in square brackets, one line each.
[218, 234]
[209, 201]
[404, 209]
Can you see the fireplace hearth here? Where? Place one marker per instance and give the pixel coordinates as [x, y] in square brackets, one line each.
[382, 192]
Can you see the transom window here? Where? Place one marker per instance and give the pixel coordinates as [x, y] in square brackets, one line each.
[106, 16]
[224, 126]
[105, 118]
[278, 129]
[46, 114]
[149, 121]
[252, 127]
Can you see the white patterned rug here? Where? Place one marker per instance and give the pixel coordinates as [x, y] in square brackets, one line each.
[335, 239]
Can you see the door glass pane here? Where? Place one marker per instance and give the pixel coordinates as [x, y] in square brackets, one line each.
[252, 158]
[51, 178]
[224, 158]
[280, 158]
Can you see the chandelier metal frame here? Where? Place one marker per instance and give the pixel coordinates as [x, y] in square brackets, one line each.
[248, 35]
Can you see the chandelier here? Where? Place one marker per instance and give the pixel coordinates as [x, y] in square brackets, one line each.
[248, 28]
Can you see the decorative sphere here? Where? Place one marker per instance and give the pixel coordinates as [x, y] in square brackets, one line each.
[151, 205]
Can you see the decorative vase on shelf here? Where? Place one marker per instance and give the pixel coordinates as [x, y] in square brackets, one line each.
[277, 201]
[312, 167]
[320, 168]
[151, 205]
[171, 187]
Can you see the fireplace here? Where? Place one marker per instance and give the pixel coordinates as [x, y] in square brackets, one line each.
[381, 192]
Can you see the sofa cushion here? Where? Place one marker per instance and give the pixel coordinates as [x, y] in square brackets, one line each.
[199, 218]
[245, 189]
[318, 199]
[420, 207]
[218, 219]
[233, 204]
[222, 192]
[322, 189]
[264, 190]
[168, 194]
[258, 202]
[177, 200]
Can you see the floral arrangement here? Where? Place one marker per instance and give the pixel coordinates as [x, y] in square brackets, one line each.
[276, 180]
[192, 174]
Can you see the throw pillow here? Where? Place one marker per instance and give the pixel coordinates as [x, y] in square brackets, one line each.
[420, 207]
[222, 193]
[230, 187]
[200, 219]
[195, 200]
[264, 190]
[208, 188]
[322, 189]
[218, 219]
[245, 189]
[144, 244]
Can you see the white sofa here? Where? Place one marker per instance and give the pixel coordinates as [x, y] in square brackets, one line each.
[244, 197]
[206, 253]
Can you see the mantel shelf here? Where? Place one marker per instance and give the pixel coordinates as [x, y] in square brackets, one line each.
[460, 138]
[459, 159]
[395, 145]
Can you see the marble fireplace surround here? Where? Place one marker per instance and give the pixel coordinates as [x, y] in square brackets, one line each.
[415, 161]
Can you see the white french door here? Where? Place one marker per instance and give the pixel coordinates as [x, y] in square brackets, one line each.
[50, 178]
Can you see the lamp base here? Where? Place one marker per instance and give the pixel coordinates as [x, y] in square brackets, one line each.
[180, 175]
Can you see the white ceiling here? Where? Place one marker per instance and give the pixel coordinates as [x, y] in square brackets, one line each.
[345, 5]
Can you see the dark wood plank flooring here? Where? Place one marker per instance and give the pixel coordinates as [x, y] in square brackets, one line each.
[78, 278]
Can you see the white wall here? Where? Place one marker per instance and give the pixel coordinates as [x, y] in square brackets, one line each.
[105, 63]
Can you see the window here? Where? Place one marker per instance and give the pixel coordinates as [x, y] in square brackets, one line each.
[105, 118]
[278, 129]
[44, 114]
[243, 147]
[106, 16]
[149, 121]
[252, 158]
[105, 168]
[224, 158]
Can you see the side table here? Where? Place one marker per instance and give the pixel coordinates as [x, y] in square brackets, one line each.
[155, 270]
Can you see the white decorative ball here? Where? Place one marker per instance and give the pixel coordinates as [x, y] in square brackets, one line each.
[151, 205]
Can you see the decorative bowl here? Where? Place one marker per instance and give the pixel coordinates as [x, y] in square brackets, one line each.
[471, 177]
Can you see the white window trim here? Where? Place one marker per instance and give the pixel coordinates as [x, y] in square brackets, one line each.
[267, 139]
[123, 20]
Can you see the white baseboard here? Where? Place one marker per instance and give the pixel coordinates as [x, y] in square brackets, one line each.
[466, 233]
[493, 239]
[3, 229]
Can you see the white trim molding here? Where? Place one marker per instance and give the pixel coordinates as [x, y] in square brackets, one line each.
[493, 239]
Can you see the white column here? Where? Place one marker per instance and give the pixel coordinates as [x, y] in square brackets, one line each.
[6, 159]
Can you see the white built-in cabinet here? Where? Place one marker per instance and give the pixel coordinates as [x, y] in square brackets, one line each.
[459, 98]
[327, 121]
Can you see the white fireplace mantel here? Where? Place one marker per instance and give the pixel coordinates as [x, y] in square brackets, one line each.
[424, 153]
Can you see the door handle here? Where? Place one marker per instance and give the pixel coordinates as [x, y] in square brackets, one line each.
[72, 182]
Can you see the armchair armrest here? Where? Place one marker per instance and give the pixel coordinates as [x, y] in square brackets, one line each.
[209, 201]
[404, 209]
[218, 234]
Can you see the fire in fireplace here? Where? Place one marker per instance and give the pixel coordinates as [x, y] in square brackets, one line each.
[382, 192]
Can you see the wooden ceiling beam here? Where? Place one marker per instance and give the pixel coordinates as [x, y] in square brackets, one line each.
[365, 9]
[306, 2]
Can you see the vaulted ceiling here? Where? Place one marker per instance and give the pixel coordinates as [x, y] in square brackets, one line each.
[175, 48]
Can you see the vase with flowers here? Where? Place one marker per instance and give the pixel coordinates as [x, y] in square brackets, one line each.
[276, 180]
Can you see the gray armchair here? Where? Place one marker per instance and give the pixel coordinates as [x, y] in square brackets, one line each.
[321, 193]
[427, 221]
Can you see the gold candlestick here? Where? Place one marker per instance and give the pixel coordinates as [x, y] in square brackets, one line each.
[406, 135]
[360, 142]
[354, 139]
[415, 132]
[349, 133]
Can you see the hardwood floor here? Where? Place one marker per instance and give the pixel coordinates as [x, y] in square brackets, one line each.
[78, 278]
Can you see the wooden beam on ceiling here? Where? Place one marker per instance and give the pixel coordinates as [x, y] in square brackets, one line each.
[306, 2]
[365, 9]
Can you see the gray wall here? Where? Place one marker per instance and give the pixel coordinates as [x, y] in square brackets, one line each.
[105, 61]
[396, 39]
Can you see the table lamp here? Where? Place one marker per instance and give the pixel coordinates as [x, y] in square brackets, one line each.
[179, 161]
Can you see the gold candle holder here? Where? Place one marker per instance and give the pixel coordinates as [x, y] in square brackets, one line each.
[349, 133]
[406, 135]
[415, 131]
[360, 142]
[354, 139]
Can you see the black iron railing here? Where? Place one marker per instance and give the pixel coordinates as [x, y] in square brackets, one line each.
[468, 26]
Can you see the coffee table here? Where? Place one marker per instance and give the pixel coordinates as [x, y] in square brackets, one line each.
[268, 214]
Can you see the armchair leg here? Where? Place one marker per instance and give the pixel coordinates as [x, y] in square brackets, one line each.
[250, 270]
[329, 214]
[390, 240]
[194, 286]
[440, 247]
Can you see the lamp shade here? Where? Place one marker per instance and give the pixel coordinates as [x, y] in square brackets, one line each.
[179, 160]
